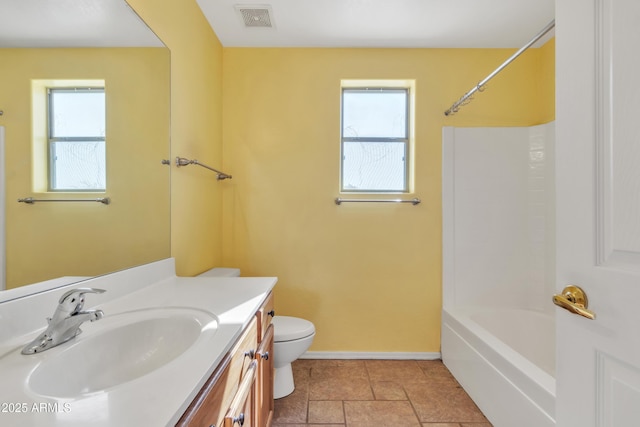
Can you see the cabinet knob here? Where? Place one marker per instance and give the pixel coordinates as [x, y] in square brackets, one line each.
[271, 313]
[265, 355]
[250, 354]
[239, 419]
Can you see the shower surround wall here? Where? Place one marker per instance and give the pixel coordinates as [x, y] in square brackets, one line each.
[498, 270]
[498, 217]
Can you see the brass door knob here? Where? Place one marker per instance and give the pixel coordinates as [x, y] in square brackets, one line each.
[575, 300]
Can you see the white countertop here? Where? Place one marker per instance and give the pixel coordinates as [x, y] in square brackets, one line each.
[156, 399]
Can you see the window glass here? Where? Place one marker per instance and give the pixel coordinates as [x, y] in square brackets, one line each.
[376, 166]
[78, 165]
[375, 113]
[77, 151]
[375, 143]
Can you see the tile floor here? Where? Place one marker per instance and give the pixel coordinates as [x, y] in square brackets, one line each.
[376, 393]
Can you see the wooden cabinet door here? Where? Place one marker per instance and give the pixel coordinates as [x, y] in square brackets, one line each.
[241, 413]
[264, 389]
[208, 408]
[212, 402]
[265, 315]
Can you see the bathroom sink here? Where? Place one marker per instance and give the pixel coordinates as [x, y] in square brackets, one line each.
[119, 349]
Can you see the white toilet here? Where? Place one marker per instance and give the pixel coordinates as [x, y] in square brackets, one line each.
[292, 337]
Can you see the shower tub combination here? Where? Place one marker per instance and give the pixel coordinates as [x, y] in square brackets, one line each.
[498, 332]
[504, 359]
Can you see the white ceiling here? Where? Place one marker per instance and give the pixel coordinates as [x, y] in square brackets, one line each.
[383, 23]
[72, 23]
[297, 23]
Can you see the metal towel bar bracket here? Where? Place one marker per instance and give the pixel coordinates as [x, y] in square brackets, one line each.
[413, 201]
[31, 200]
[181, 161]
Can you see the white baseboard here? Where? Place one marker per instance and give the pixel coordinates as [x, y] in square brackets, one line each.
[370, 355]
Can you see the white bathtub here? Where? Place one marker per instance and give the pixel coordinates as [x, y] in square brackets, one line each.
[505, 360]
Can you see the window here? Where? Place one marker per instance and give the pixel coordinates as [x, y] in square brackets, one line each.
[375, 140]
[76, 137]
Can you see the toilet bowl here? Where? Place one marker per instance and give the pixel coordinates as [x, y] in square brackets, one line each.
[292, 337]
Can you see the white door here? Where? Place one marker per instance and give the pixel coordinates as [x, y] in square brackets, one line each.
[598, 210]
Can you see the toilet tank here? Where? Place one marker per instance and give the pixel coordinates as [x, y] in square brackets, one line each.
[221, 272]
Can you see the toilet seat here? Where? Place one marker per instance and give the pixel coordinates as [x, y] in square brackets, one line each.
[288, 328]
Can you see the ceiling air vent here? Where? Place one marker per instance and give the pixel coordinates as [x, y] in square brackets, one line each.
[256, 16]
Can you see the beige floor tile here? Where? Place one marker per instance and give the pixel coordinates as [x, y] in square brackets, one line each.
[293, 408]
[339, 371]
[307, 425]
[388, 390]
[339, 381]
[303, 363]
[340, 388]
[476, 425]
[290, 410]
[326, 412]
[442, 403]
[394, 370]
[301, 373]
[435, 370]
[365, 393]
[324, 363]
[380, 414]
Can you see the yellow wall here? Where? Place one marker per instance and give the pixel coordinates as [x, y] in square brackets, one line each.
[367, 275]
[547, 81]
[84, 239]
[196, 130]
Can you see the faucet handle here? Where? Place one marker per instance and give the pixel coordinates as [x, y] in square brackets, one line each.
[73, 299]
[80, 292]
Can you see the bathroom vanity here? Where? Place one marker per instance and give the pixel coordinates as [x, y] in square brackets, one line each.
[168, 351]
[240, 391]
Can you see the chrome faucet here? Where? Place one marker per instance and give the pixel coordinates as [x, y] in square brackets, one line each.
[66, 321]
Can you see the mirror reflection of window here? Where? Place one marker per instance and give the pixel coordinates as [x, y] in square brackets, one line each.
[77, 152]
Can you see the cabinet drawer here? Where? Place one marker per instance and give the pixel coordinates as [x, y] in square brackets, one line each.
[265, 314]
[241, 411]
[244, 351]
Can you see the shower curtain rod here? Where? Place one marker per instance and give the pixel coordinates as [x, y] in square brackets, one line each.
[465, 99]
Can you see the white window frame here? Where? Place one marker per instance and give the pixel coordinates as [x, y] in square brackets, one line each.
[52, 140]
[407, 140]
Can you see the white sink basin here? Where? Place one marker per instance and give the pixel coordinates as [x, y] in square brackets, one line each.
[118, 349]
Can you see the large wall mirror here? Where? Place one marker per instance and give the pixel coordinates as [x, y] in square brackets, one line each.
[63, 44]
